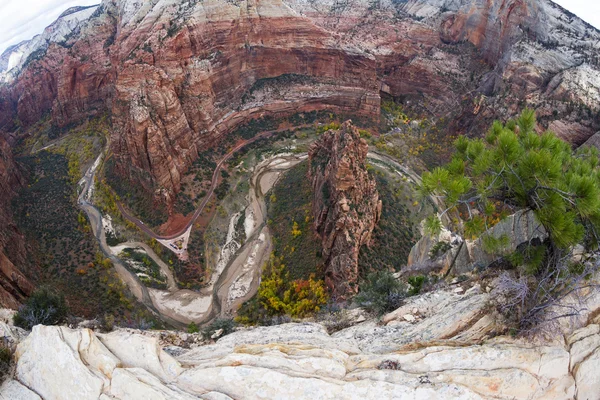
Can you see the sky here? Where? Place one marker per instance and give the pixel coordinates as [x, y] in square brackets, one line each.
[23, 19]
[588, 10]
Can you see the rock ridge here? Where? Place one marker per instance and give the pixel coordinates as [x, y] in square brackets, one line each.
[433, 357]
[346, 205]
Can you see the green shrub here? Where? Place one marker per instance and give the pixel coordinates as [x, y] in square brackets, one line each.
[515, 168]
[439, 249]
[5, 361]
[381, 293]
[227, 325]
[193, 328]
[43, 307]
[416, 283]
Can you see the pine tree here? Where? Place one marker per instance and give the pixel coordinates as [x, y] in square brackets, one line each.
[514, 168]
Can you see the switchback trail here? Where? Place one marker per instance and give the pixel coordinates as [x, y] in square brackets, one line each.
[213, 186]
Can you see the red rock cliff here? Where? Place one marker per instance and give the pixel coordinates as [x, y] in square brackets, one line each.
[177, 76]
[346, 204]
[14, 286]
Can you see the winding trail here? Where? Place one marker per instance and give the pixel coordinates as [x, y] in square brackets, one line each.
[213, 186]
[238, 280]
[178, 307]
[136, 287]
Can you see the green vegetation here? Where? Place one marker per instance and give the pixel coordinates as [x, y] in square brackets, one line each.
[46, 212]
[191, 274]
[290, 221]
[412, 136]
[514, 168]
[144, 267]
[416, 284]
[136, 193]
[381, 293]
[44, 306]
[393, 237]
[5, 361]
[193, 328]
[222, 190]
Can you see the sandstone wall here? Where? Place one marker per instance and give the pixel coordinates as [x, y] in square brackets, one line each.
[346, 205]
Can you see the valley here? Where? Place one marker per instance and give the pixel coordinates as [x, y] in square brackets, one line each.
[235, 273]
[337, 199]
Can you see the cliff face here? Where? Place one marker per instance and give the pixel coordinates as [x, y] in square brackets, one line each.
[177, 76]
[14, 286]
[346, 204]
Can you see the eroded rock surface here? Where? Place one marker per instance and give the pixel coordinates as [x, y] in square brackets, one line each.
[14, 285]
[346, 205]
[436, 356]
[464, 256]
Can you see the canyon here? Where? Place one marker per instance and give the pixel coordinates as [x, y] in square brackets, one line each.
[175, 83]
[177, 77]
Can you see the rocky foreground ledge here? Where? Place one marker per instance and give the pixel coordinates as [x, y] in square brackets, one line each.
[437, 346]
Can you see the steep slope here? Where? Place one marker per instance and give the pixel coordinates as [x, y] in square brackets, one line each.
[346, 205]
[14, 286]
[178, 76]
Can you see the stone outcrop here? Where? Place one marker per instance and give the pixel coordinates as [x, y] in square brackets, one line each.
[443, 351]
[520, 228]
[176, 76]
[14, 286]
[346, 206]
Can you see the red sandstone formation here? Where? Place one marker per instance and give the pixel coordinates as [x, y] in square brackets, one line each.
[176, 76]
[14, 286]
[346, 204]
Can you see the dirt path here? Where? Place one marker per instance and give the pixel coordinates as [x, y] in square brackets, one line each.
[239, 279]
[214, 182]
[136, 287]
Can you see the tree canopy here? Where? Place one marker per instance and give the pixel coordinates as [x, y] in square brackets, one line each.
[514, 167]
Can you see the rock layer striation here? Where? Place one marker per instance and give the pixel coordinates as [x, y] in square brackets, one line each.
[444, 351]
[14, 286]
[177, 76]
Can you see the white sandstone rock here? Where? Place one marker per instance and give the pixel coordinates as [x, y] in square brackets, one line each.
[137, 351]
[409, 318]
[13, 390]
[60, 363]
